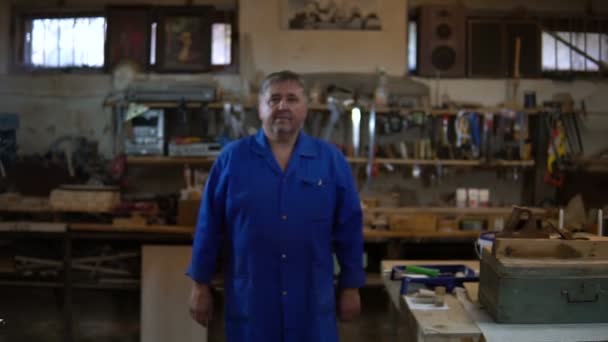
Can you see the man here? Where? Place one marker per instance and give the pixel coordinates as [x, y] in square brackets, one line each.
[278, 204]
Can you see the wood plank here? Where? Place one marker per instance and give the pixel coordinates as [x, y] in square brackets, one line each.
[387, 265]
[550, 248]
[97, 227]
[399, 161]
[453, 324]
[164, 295]
[450, 210]
[168, 161]
[404, 234]
[25, 226]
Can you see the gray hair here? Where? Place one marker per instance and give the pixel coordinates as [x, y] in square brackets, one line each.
[280, 77]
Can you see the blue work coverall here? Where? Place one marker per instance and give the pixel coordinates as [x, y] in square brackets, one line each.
[276, 232]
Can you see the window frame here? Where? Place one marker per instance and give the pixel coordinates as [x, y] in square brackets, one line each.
[20, 27]
[21, 17]
[578, 24]
[227, 17]
[413, 18]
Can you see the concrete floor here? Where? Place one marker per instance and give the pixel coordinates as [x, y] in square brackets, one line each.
[35, 314]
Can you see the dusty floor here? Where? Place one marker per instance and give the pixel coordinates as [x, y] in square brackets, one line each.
[35, 314]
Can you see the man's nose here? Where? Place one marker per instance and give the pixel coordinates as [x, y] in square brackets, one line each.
[283, 104]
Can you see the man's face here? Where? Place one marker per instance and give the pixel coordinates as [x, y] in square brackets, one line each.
[283, 109]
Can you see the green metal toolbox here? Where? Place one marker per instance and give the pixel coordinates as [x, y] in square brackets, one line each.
[545, 281]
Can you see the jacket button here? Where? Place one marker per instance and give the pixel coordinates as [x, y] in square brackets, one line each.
[283, 256]
[284, 293]
[284, 217]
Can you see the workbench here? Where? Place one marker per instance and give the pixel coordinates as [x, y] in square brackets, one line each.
[465, 321]
[68, 235]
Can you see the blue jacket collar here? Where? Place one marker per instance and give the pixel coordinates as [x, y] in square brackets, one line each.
[305, 145]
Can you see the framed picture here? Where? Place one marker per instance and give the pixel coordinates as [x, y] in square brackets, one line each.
[128, 36]
[331, 15]
[184, 39]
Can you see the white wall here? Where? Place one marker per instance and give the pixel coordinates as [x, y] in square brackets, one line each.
[275, 48]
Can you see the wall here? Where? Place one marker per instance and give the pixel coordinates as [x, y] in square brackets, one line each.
[4, 34]
[52, 105]
[312, 51]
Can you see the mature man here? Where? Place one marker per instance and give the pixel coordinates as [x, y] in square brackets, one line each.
[278, 204]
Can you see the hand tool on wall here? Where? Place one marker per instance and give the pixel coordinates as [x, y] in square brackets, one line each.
[556, 151]
[372, 139]
[462, 129]
[355, 116]
[444, 150]
[184, 122]
[571, 130]
[234, 121]
[474, 126]
[488, 133]
[335, 112]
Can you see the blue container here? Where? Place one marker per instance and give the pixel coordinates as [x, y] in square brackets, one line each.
[447, 277]
[9, 122]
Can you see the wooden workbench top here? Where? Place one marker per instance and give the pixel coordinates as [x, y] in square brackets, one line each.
[435, 325]
[97, 227]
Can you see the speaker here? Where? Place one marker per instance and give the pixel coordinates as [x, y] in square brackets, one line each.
[442, 41]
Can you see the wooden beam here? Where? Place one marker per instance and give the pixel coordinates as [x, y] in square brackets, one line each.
[550, 248]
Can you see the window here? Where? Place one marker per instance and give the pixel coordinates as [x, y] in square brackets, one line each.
[571, 44]
[221, 44]
[97, 40]
[64, 42]
[557, 56]
[412, 46]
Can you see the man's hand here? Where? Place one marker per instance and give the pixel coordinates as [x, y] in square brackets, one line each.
[350, 304]
[201, 303]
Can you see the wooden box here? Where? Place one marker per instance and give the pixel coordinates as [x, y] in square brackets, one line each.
[545, 281]
[413, 222]
[83, 198]
[187, 212]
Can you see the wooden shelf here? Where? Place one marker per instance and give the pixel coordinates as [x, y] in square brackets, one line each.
[515, 163]
[165, 160]
[99, 227]
[446, 162]
[449, 210]
[31, 283]
[396, 234]
[323, 107]
[397, 161]
[590, 164]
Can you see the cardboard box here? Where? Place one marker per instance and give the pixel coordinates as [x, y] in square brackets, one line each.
[187, 212]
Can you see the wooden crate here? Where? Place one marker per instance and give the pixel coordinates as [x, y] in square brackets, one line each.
[85, 199]
[187, 212]
[413, 222]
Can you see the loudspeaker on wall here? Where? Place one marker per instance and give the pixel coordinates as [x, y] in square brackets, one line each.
[442, 41]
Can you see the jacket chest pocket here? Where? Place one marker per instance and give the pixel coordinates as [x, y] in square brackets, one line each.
[316, 196]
